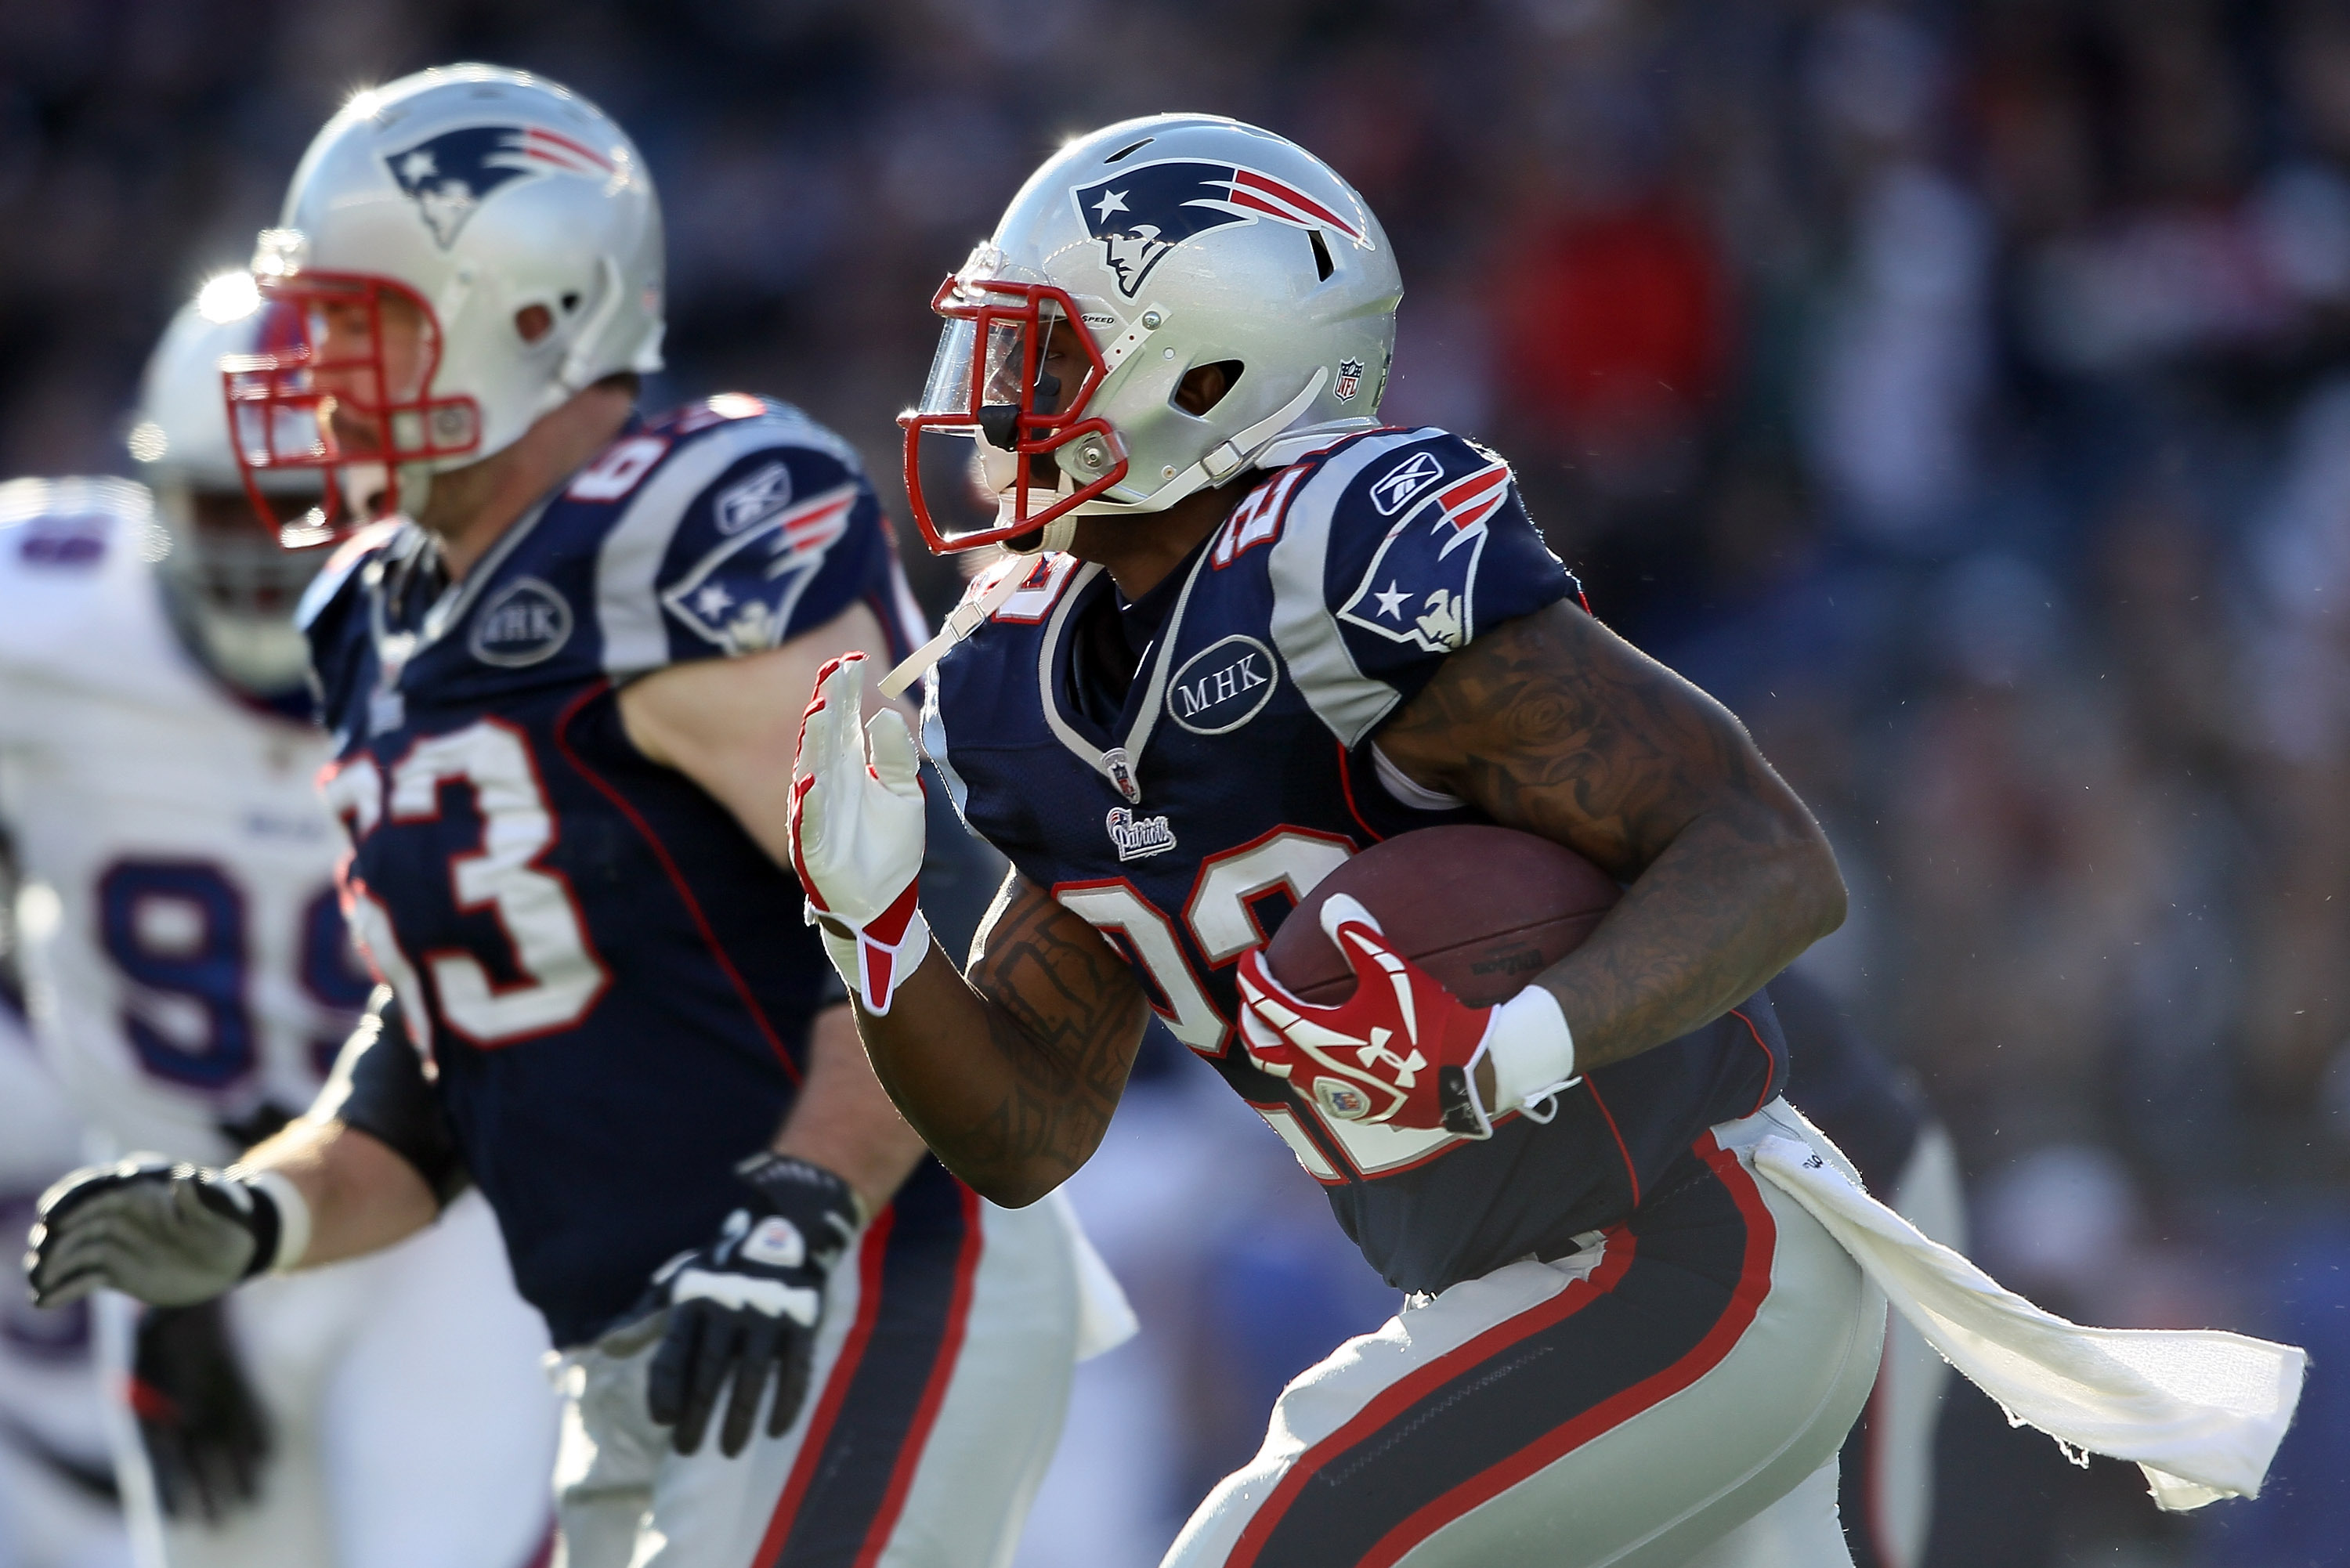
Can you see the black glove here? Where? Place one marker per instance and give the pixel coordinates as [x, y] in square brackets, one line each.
[204, 1432]
[170, 1235]
[748, 1301]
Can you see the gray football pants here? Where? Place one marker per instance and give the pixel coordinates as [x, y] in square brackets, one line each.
[1672, 1394]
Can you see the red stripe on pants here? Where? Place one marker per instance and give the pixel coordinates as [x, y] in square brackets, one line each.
[925, 1415]
[836, 1388]
[1745, 1301]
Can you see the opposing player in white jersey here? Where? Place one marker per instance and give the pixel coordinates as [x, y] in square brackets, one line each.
[58, 1501]
[191, 980]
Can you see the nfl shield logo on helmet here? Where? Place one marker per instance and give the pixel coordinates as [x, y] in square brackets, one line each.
[1141, 214]
[450, 175]
[1351, 379]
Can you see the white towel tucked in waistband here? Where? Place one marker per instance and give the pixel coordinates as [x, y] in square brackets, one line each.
[2200, 1410]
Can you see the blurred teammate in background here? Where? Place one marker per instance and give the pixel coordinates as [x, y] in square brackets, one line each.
[563, 699]
[58, 1503]
[191, 980]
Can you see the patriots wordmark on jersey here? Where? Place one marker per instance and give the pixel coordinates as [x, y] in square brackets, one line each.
[187, 956]
[609, 976]
[1184, 819]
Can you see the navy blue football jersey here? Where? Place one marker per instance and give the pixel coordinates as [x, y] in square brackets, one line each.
[1241, 767]
[611, 979]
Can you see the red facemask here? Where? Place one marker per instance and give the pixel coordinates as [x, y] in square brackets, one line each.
[283, 400]
[987, 382]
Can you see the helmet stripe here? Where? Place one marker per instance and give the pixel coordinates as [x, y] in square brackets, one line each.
[1247, 181]
[537, 136]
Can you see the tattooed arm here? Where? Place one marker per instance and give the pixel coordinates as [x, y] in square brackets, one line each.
[1553, 724]
[1011, 1076]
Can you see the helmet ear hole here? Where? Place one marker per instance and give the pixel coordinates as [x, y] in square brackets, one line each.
[534, 322]
[1204, 385]
[1323, 265]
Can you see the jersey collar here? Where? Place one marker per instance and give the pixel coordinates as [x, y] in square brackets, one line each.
[1119, 762]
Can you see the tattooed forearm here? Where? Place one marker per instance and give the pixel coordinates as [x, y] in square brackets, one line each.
[1012, 1074]
[1555, 725]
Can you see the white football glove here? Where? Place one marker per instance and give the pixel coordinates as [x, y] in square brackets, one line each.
[858, 835]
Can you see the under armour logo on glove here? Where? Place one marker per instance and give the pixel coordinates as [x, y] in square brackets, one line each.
[1402, 1050]
[858, 835]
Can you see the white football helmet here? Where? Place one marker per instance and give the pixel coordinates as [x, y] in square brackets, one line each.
[233, 584]
[1174, 240]
[468, 195]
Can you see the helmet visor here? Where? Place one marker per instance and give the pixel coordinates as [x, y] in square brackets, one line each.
[1010, 375]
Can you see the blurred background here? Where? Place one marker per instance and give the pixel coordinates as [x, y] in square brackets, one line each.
[1961, 392]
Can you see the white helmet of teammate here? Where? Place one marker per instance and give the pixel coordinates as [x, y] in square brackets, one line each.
[1176, 241]
[233, 585]
[510, 219]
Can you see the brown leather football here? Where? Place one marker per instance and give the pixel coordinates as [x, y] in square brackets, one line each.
[1484, 909]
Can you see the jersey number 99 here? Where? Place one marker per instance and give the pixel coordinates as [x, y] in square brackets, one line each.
[176, 930]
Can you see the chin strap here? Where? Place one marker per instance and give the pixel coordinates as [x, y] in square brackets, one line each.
[962, 622]
[1229, 456]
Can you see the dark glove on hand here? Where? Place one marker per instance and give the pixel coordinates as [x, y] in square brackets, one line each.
[205, 1436]
[748, 1301]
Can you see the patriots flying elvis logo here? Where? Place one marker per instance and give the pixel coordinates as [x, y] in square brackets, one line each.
[1141, 214]
[450, 175]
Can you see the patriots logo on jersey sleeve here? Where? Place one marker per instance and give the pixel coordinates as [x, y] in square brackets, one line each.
[449, 176]
[1141, 214]
[740, 596]
[1421, 587]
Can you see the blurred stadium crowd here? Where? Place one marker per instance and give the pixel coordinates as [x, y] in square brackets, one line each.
[1961, 392]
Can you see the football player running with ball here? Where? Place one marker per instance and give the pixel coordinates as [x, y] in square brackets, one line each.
[1263, 634]
[193, 978]
[562, 692]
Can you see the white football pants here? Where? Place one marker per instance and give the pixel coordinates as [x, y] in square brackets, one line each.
[943, 1370]
[411, 1421]
[1644, 1403]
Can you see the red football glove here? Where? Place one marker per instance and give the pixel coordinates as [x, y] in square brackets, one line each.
[1402, 1050]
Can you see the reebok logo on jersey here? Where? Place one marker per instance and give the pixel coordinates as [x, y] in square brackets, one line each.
[1393, 491]
[449, 176]
[1138, 836]
[1223, 686]
[755, 500]
[524, 623]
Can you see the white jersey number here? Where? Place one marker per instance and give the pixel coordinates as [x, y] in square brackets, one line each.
[1224, 923]
[534, 905]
